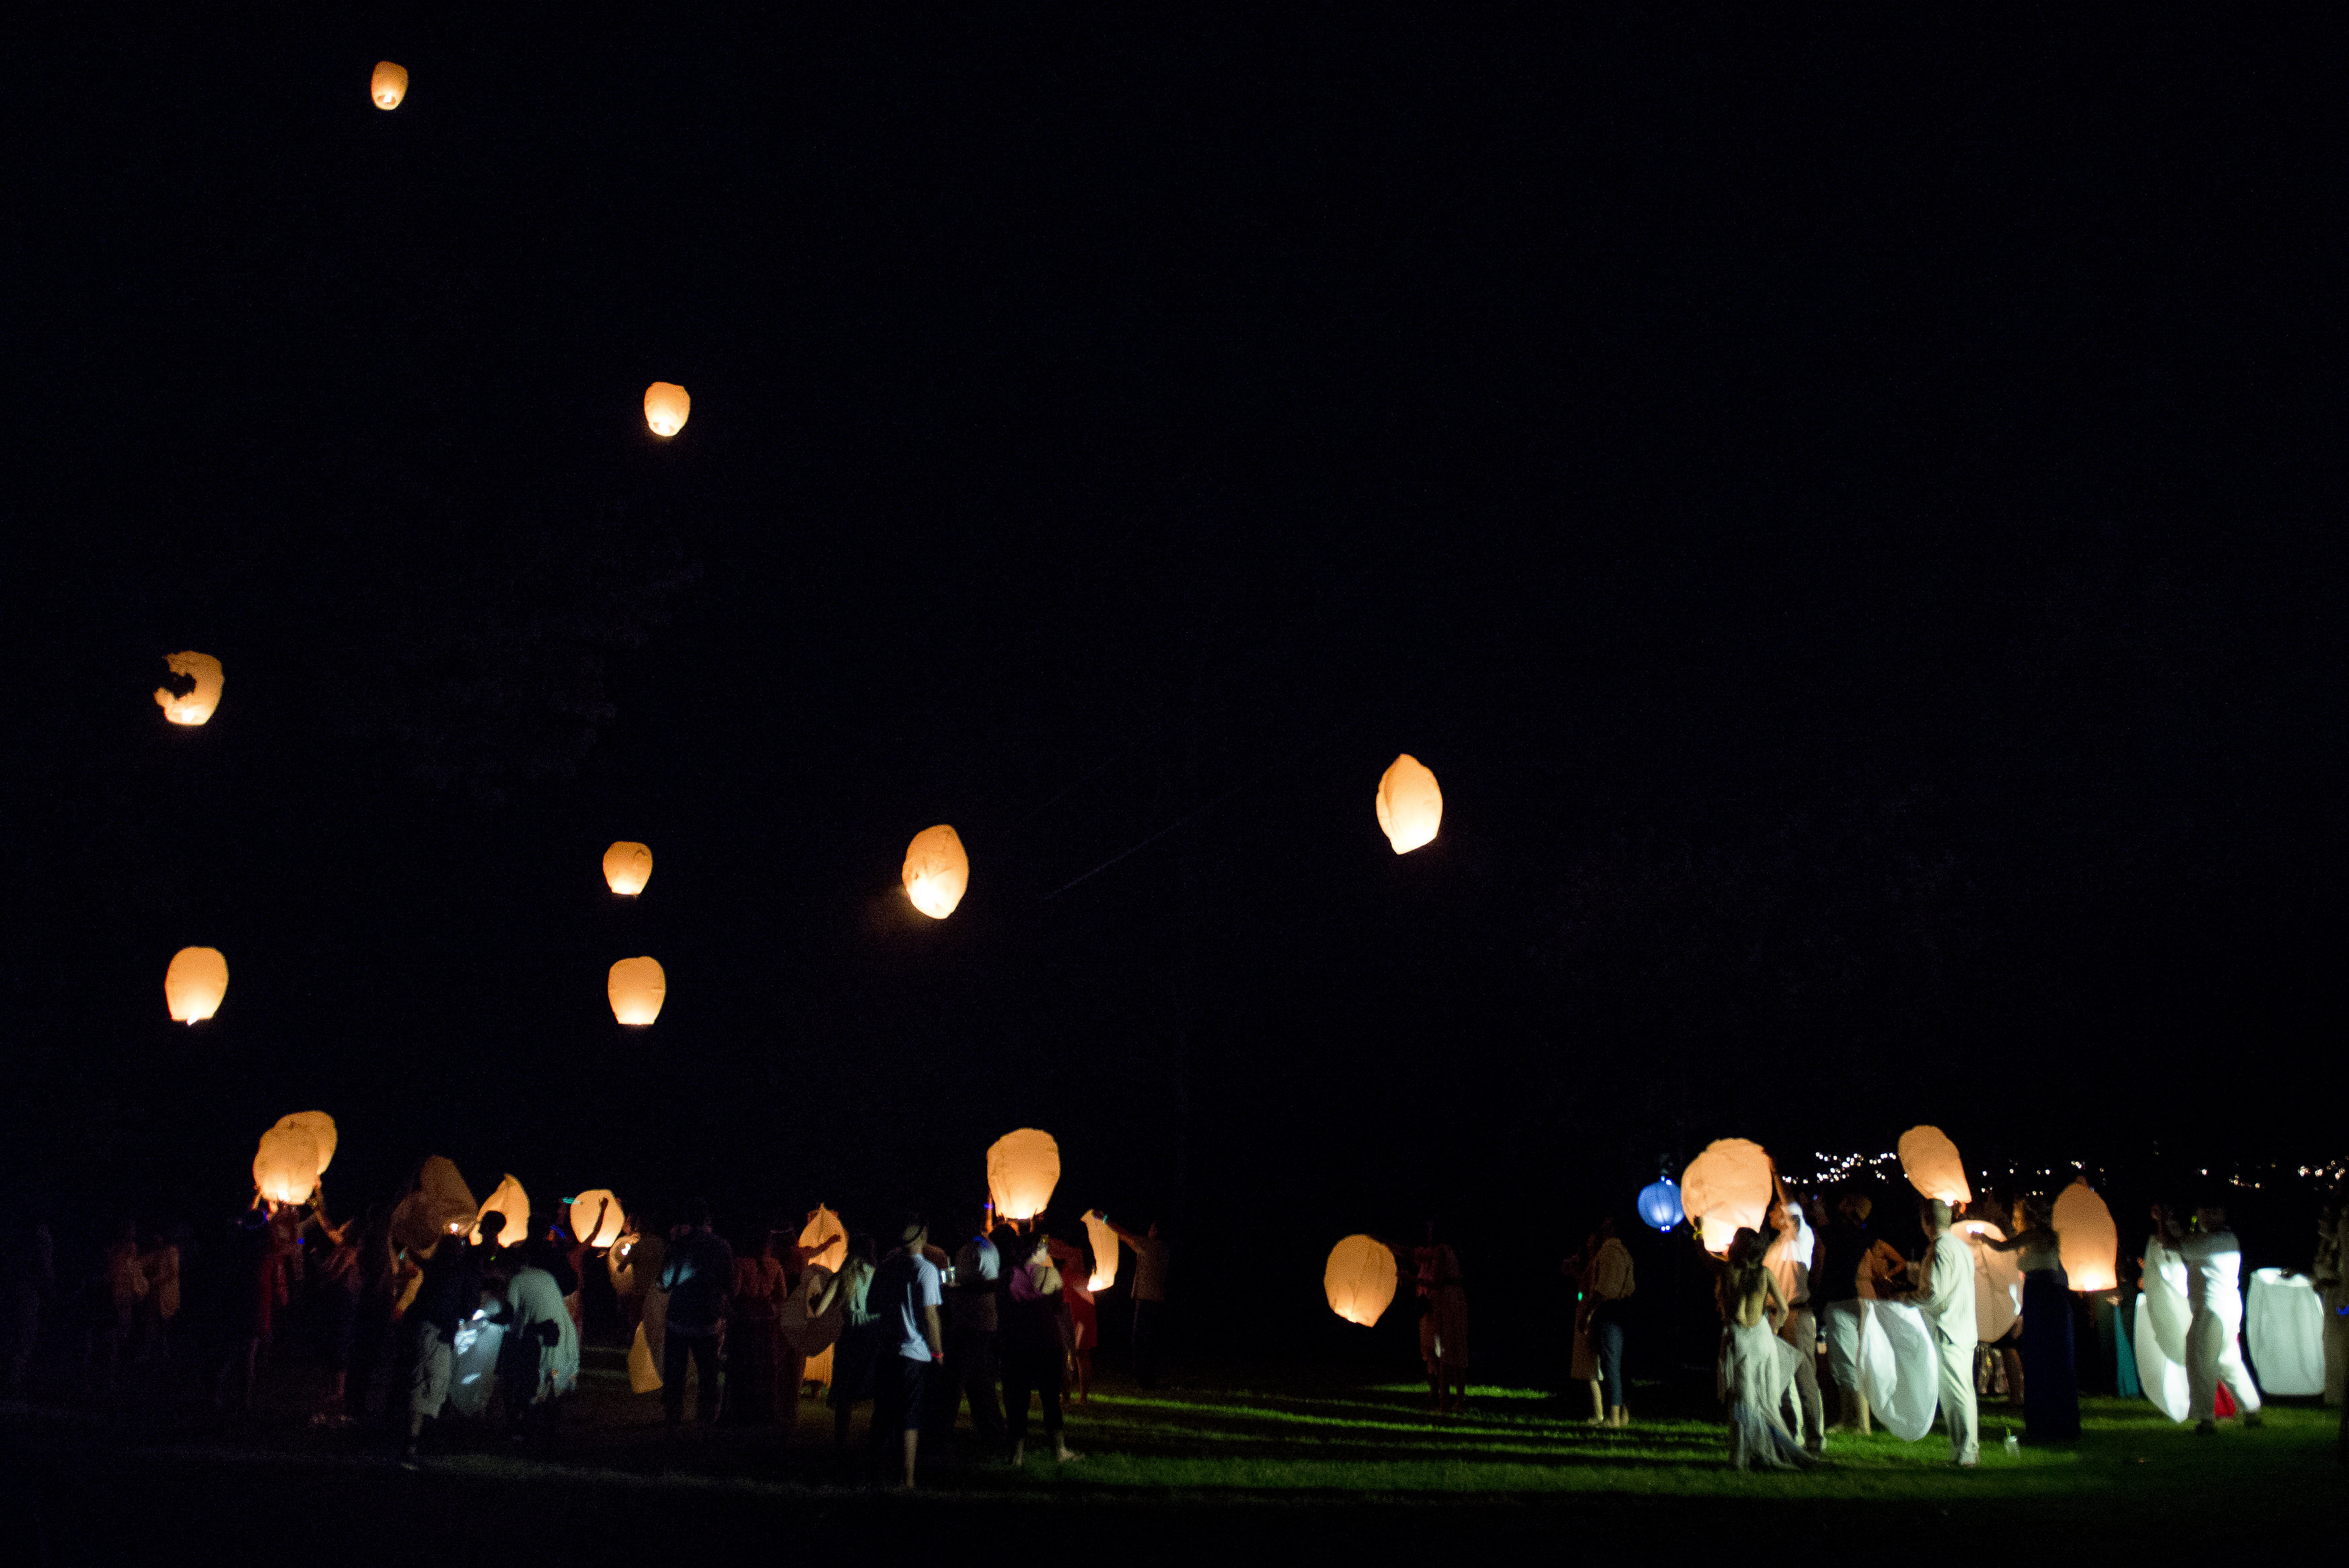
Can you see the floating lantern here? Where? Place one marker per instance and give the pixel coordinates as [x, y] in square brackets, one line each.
[824, 1241]
[1728, 1188]
[286, 1167]
[512, 1201]
[936, 871]
[2086, 1237]
[666, 407]
[637, 987]
[1360, 1279]
[321, 1129]
[1410, 805]
[388, 85]
[1931, 1162]
[1660, 1203]
[194, 984]
[1022, 1168]
[597, 1218]
[198, 704]
[627, 868]
[1104, 1241]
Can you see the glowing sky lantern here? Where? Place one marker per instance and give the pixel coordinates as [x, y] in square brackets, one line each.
[1104, 1241]
[597, 1218]
[388, 85]
[1410, 805]
[627, 867]
[198, 704]
[194, 984]
[1728, 1188]
[1360, 1279]
[666, 407]
[936, 870]
[285, 1166]
[824, 1241]
[321, 1129]
[2089, 1242]
[1660, 1205]
[637, 987]
[512, 1201]
[441, 1206]
[1931, 1162]
[1022, 1168]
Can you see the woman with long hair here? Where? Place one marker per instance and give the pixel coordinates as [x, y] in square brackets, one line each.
[853, 1353]
[2051, 1387]
[1758, 1366]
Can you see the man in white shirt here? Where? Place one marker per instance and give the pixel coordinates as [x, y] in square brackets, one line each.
[904, 1295]
[2214, 1301]
[1946, 1296]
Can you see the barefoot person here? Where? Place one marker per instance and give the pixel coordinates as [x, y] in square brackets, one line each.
[1039, 1348]
[1758, 1366]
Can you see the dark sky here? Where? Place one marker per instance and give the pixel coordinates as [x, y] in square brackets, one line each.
[1844, 507]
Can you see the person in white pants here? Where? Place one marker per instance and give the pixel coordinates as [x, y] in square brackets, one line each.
[1946, 1296]
[2214, 1299]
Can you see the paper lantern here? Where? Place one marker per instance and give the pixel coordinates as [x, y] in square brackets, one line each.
[596, 1217]
[1997, 1282]
[1410, 805]
[198, 704]
[512, 1201]
[666, 407]
[2284, 1328]
[286, 1167]
[1022, 1168]
[824, 1241]
[627, 868]
[2089, 1240]
[637, 987]
[1660, 1203]
[1104, 1241]
[321, 1129]
[388, 85]
[936, 871]
[1360, 1279]
[1728, 1188]
[1931, 1162]
[194, 984]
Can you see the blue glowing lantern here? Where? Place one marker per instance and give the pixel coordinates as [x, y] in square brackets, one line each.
[1660, 1203]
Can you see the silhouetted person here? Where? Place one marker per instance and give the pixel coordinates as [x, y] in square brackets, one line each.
[905, 1295]
[699, 1273]
[446, 1298]
[1038, 1346]
[1152, 1260]
[973, 1319]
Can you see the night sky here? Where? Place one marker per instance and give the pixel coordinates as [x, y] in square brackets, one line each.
[1842, 504]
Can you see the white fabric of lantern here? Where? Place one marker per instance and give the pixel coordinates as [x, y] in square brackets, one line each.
[1360, 1279]
[824, 1240]
[194, 984]
[1411, 807]
[1727, 1188]
[1105, 1253]
[2161, 1317]
[637, 987]
[285, 1166]
[597, 1218]
[1790, 1249]
[387, 85]
[2284, 1328]
[2088, 1239]
[1022, 1168]
[1933, 1165]
[512, 1201]
[198, 704]
[473, 1364]
[936, 872]
[807, 1332]
[666, 407]
[1899, 1370]
[321, 1129]
[1997, 1282]
[627, 867]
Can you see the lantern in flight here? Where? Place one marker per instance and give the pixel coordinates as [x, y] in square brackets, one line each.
[1360, 1279]
[198, 704]
[1022, 1168]
[1931, 1162]
[597, 1218]
[2086, 1238]
[627, 868]
[1104, 1241]
[194, 984]
[1728, 1188]
[1410, 805]
[1660, 1203]
[388, 85]
[824, 1241]
[321, 1129]
[637, 987]
[285, 1166]
[666, 407]
[936, 870]
[512, 1201]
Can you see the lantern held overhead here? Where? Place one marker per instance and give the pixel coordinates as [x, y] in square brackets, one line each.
[198, 704]
[1022, 1168]
[1931, 1162]
[936, 870]
[512, 1201]
[285, 1166]
[2085, 1236]
[597, 1218]
[388, 85]
[637, 987]
[824, 1240]
[1410, 805]
[666, 407]
[321, 1129]
[1104, 1241]
[627, 867]
[1360, 1279]
[194, 984]
[1728, 1188]
[440, 1205]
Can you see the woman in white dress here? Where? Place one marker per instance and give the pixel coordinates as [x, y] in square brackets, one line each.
[1758, 1367]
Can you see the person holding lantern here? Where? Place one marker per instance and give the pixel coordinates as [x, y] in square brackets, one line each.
[1038, 1346]
[1151, 1259]
[2214, 1301]
[1945, 1293]
[1758, 1367]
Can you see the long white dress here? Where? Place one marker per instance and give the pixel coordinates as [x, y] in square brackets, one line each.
[1758, 1367]
[2214, 1348]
